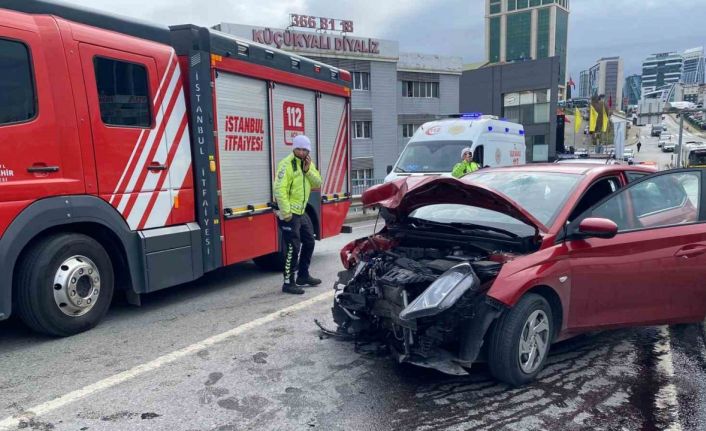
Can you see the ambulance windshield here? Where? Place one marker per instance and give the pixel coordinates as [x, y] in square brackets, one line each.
[431, 156]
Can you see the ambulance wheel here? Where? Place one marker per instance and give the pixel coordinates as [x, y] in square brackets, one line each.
[271, 262]
[64, 284]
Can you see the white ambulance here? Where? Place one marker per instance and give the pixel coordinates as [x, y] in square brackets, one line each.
[436, 146]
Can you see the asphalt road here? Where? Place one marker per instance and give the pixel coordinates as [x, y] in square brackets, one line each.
[230, 352]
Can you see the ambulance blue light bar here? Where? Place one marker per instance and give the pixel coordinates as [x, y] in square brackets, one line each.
[468, 115]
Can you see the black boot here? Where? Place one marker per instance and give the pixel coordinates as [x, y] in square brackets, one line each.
[307, 280]
[292, 289]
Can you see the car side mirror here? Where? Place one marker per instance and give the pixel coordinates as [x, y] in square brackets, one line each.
[598, 228]
[389, 169]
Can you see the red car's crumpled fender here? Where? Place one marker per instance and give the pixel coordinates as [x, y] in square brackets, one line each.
[548, 267]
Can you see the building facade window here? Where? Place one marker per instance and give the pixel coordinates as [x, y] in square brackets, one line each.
[543, 25]
[361, 179]
[562, 28]
[362, 130]
[408, 130]
[424, 90]
[519, 36]
[495, 6]
[362, 174]
[527, 107]
[494, 55]
[361, 81]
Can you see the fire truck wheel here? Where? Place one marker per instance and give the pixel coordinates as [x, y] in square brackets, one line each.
[271, 262]
[64, 284]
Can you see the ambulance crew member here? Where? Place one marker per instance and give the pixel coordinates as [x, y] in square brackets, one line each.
[296, 176]
[467, 165]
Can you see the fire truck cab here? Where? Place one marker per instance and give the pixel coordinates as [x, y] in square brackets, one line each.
[135, 157]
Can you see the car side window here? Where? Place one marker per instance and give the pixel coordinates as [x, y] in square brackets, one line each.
[665, 200]
[123, 93]
[634, 176]
[596, 193]
[18, 102]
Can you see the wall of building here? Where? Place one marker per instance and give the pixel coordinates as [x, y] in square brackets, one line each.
[382, 104]
[383, 92]
[482, 90]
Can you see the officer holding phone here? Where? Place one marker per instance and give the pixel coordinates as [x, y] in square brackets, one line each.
[295, 177]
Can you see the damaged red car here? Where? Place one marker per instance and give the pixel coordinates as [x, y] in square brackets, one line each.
[504, 262]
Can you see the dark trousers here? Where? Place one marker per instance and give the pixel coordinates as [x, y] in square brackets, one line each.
[299, 243]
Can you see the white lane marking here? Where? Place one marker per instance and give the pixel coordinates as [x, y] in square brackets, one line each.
[666, 399]
[109, 382]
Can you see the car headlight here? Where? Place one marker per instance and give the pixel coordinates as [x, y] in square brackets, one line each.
[443, 293]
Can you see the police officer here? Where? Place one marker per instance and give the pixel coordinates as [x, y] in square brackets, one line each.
[296, 176]
[467, 165]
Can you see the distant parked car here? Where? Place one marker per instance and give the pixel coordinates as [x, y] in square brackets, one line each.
[665, 138]
[628, 154]
[656, 130]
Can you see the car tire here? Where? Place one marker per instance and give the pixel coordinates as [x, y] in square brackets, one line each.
[511, 332]
[64, 284]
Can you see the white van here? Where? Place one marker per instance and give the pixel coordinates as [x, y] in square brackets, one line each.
[436, 146]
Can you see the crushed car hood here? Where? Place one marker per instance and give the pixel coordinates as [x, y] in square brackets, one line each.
[403, 196]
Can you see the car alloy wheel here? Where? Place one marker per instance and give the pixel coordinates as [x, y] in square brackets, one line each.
[534, 341]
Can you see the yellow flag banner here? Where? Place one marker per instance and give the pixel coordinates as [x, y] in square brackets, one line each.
[577, 120]
[593, 120]
[605, 120]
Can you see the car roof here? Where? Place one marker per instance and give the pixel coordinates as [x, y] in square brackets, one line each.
[570, 168]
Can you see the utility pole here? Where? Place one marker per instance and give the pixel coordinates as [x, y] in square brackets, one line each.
[681, 137]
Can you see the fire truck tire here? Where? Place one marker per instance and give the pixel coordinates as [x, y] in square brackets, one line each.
[64, 284]
[271, 262]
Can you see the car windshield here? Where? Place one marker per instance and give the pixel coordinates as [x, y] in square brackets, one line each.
[542, 194]
[465, 214]
[431, 156]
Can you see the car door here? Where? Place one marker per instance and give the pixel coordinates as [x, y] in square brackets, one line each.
[652, 271]
[32, 135]
[130, 133]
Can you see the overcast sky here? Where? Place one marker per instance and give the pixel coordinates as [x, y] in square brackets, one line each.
[631, 29]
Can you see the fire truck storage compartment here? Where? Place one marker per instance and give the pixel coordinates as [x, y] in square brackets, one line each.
[294, 113]
[334, 148]
[245, 167]
[172, 255]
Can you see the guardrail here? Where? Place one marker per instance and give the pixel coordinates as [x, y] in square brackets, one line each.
[359, 186]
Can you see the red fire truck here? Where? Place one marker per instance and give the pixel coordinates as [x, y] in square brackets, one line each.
[135, 157]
